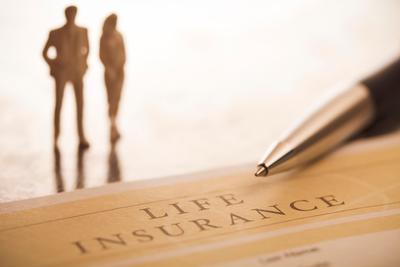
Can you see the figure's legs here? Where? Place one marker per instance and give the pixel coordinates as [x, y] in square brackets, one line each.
[119, 80]
[109, 81]
[114, 81]
[60, 82]
[78, 89]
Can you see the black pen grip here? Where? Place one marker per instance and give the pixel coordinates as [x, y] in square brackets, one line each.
[384, 87]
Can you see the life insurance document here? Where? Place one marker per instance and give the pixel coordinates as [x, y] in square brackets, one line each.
[342, 211]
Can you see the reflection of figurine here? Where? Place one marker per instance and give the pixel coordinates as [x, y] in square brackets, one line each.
[69, 65]
[112, 55]
[58, 170]
[114, 172]
[80, 169]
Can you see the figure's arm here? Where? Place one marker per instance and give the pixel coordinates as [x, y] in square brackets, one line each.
[86, 43]
[106, 54]
[48, 44]
[123, 50]
[102, 52]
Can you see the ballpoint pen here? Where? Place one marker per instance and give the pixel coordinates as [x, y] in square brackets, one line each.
[344, 116]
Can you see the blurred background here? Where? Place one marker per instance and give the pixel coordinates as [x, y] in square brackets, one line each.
[209, 83]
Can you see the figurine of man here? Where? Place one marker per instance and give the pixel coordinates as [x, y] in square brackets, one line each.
[69, 65]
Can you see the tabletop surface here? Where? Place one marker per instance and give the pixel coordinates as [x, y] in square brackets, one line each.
[208, 84]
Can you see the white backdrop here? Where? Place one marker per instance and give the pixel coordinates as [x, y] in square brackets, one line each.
[208, 83]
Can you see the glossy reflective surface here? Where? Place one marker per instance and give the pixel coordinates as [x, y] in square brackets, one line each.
[207, 84]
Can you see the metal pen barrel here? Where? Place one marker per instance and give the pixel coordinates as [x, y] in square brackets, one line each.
[342, 117]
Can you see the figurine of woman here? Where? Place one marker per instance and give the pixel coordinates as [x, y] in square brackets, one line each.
[112, 55]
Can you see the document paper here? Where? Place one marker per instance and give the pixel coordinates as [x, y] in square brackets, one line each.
[342, 211]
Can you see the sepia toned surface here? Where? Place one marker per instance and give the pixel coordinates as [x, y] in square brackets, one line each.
[338, 208]
[207, 84]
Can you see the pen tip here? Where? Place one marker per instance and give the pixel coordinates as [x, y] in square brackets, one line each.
[261, 171]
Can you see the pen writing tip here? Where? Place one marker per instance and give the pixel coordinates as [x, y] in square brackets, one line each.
[261, 171]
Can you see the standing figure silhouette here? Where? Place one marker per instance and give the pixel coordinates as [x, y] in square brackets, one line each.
[69, 65]
[112, 55]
